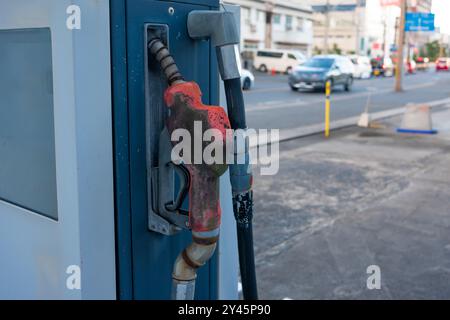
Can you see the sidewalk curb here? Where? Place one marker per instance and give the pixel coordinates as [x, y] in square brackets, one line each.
[300, 132]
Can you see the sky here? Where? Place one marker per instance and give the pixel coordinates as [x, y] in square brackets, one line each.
[441, 8]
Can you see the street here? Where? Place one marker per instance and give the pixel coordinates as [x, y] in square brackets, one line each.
[272, 105]
[362, 198]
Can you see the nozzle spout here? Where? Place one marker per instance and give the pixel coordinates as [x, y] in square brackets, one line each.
[189, 260]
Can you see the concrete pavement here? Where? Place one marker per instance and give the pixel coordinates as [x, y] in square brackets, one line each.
[363, 197]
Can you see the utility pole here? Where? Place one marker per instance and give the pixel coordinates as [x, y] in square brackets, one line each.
[357, 23]
[385, 48]
[327, 27]
[400, 43]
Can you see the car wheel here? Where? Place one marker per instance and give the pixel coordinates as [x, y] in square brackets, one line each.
[348, 84]
[262, 68]
[247, 84]
[288, 70]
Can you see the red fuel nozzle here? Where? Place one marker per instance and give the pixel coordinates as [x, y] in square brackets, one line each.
[184, 100]
[187, 112]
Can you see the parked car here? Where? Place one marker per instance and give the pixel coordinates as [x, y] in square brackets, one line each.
[382, 67]
[277, 60]
[247, 79]
[422, 63]
[363, 68]
[315, 72]
[443, 64]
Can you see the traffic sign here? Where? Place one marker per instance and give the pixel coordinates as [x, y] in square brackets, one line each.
[419, 21]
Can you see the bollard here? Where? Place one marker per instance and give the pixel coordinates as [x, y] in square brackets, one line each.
[327, 108]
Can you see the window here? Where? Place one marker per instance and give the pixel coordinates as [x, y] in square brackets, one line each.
[260, 15]
[27, 138]
[291, 56]
[269, 54]
[300, 22]
[276, 19]
[245, 13]
[288, 22]
[307, 24]
[324, 63]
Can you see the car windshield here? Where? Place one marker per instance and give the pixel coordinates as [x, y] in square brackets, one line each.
[325, 63]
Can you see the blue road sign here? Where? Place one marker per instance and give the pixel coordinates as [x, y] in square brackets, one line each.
[419, 21]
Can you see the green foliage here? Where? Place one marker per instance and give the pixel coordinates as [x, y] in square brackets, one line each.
[336, 49]
[432, 50]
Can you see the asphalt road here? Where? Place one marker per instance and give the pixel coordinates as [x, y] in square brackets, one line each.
[271, 104]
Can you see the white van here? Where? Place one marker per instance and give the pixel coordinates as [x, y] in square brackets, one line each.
[363, 68]
[277, 60]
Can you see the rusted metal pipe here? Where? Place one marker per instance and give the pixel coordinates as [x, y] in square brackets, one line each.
[189, 260]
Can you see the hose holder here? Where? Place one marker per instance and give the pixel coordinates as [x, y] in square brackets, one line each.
[220, 28]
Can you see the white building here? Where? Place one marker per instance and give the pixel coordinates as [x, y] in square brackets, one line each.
[354, 26]
[290, 25]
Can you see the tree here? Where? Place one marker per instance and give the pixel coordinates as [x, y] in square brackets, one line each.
[432, 50]
[317, 50]
[336, 49]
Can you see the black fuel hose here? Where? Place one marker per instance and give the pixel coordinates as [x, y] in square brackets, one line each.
[241, 185]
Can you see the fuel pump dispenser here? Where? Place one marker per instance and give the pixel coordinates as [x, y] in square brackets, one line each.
[92, 205]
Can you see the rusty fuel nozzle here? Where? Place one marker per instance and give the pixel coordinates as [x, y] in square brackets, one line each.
[187, 112]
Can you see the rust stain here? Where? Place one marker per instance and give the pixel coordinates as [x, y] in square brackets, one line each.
[184, 100]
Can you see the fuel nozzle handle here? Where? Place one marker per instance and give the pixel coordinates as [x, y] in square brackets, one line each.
[191, 119]
[220, 28]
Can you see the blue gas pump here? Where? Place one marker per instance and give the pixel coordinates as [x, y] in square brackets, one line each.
[82, 110]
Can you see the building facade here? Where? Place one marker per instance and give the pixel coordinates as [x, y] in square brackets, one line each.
[276, 24]
[349, 26]
[368, 27]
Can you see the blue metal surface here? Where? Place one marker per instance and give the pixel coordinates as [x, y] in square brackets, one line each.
[124, 268]
[419, 21]
[145, 258]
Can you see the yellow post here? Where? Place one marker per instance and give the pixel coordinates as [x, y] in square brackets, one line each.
[327, 108]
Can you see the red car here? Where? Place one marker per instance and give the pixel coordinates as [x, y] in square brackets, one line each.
[442, 64]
